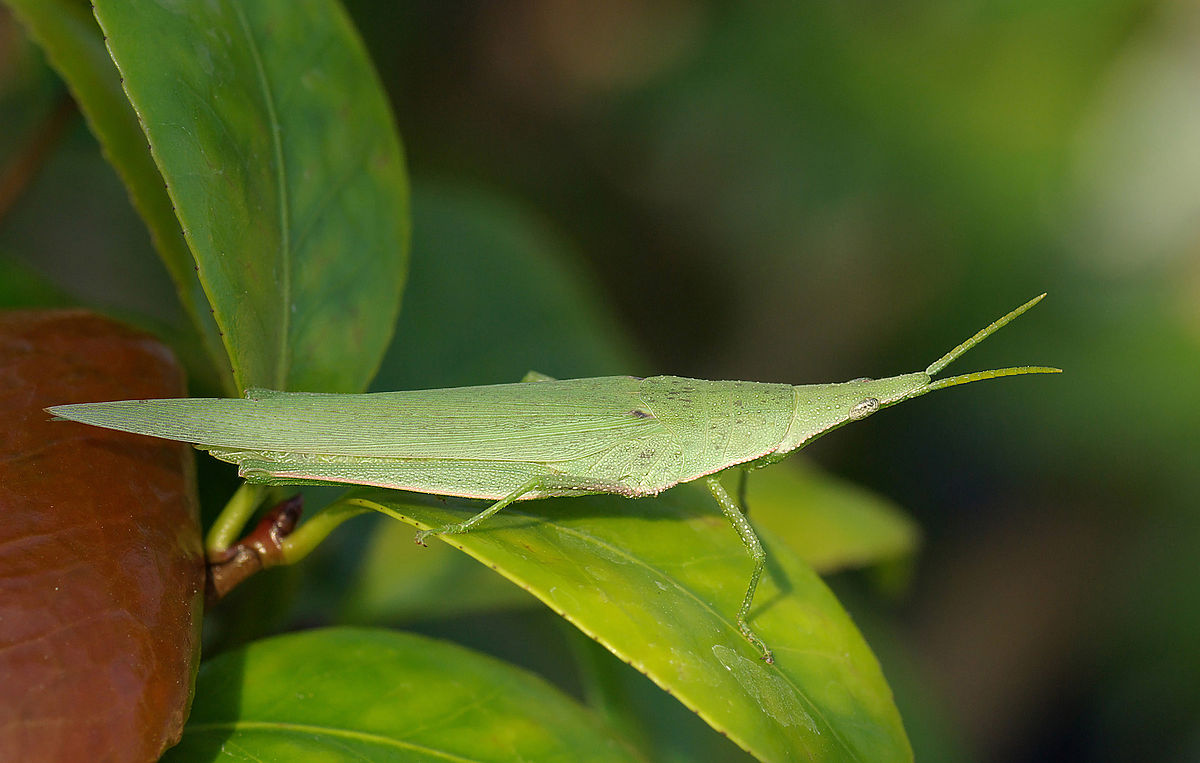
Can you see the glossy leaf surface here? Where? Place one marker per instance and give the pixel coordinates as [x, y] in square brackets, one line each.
[352, 694]
[665, 730]
[658, 583]
[101, 569]
[278, 149]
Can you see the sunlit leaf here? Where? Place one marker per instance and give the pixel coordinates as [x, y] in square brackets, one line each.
[351, 694]
[659, 582]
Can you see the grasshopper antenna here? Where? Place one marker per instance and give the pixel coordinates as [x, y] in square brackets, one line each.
[984, 333]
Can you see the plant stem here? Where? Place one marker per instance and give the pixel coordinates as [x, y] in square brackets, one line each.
[313, 530]
[233, 518]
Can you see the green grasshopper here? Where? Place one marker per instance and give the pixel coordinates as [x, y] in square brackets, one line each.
[508, 442]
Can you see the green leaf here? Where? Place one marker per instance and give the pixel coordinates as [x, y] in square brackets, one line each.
[395, 585]
[830, 523]
[659, 582]
[495, 292]
[73, 44]
[355, 694]
[279, 152]
[665, 731]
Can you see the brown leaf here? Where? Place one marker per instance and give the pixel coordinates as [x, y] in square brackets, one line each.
[101, 563]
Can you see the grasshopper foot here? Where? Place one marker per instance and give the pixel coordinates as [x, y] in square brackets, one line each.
[758, 643]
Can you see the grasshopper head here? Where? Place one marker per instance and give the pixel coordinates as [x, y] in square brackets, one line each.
[821, 408]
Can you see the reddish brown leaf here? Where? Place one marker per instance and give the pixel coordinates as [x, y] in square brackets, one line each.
[101, 563]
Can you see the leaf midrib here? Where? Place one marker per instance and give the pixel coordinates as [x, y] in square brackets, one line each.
[281, 727]
[283, 357]
[585, 537]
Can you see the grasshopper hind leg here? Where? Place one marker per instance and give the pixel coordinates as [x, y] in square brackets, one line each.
[537, 484]
[746, 532]
[529, 486]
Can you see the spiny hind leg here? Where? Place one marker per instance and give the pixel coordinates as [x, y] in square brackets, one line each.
[532, 485]
[752, 544]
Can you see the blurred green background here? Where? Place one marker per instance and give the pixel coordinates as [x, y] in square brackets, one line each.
[814, 192]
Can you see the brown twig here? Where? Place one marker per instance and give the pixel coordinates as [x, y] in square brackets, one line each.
[259, 549]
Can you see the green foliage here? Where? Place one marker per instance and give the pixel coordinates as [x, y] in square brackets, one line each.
[295, 215]
[343, 693]
[295, 218]
[771, 191]
[75, 45]
[659, 585]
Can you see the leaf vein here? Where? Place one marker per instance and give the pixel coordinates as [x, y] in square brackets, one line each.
[307, 729]
[283, 360]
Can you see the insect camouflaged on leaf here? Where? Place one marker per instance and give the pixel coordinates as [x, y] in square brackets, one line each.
[533, 439]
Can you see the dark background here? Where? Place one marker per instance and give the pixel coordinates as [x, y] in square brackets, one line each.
[818, 191]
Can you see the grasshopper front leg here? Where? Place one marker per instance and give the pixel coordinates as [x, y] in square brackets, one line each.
[746, 532]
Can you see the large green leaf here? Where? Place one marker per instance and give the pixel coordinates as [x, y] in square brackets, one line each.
[74, 45]
[279, 152]
[352, 694]
[666, 731]
[658, 583]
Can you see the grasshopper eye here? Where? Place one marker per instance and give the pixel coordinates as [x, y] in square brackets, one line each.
[864, 409]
